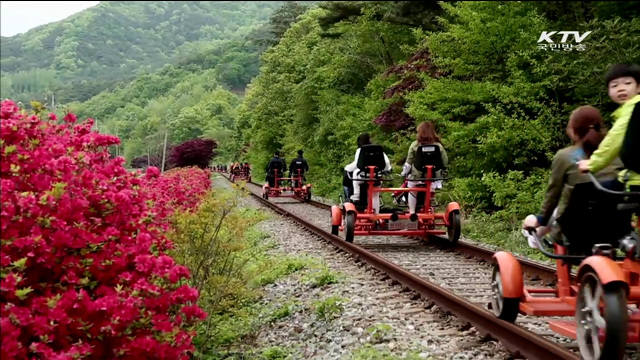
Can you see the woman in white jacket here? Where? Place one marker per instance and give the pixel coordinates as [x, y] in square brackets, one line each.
[364, 139]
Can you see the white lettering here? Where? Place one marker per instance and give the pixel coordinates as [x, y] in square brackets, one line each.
[565, 35]
[545, 36]
[580, 38]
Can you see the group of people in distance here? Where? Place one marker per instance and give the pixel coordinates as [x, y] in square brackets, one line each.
[613, 156]
[220, 168]
[238, 168]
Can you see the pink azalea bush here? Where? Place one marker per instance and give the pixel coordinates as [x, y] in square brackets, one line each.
[179, 189]
[83, 263]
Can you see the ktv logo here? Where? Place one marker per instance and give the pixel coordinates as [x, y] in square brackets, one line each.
[546, 36]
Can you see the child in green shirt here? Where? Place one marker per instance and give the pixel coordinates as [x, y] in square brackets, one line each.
[623, 140]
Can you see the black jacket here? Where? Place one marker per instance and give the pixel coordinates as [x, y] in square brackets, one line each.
[298, 163]
[276, 163]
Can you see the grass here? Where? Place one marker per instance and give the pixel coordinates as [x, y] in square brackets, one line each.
[329, 308]
[505, 235]
[368, 352]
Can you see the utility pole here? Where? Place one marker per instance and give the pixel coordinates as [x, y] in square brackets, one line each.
[164, 151]
[148, 157]
[117, 146]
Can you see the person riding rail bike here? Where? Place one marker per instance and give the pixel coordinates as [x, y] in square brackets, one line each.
[298, 163]
[274, 164]
[426, 135]
[364, 139]
[585, 129]
[623, 140]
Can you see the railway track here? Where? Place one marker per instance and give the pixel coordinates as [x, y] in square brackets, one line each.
[457, 280]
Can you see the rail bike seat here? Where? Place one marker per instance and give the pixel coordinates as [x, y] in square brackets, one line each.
[595, 215]
[371, 155]
[428, 155]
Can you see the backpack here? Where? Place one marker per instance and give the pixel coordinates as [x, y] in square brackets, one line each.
[630, 151]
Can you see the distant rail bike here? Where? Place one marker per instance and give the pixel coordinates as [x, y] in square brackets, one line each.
[240, 173]
[296, 189]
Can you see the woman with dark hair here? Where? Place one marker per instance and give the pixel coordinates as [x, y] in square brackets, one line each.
[585, 131]
[363, 139]
[426, 135]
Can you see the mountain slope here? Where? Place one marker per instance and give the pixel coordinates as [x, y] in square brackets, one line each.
[195, 96]
[115, 41]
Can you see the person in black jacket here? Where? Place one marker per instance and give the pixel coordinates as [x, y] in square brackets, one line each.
[298, 163]
[275, 164]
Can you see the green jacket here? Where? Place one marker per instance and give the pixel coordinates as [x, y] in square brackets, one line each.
[411, 158]
[610, 146]
[564, 176]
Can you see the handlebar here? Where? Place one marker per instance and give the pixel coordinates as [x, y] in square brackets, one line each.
[599, 186]
[579, 157]
[388, 173]
[382, 173]
[533, 232]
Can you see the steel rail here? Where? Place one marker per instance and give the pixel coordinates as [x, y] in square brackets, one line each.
[513, 337]
[531, 269]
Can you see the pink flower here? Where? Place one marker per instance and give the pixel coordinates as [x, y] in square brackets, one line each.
[194, 311]
[88, 241]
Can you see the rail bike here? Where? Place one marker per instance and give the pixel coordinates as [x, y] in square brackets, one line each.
[242, 174]
[296, 189]
[598, 238]
[360, 219]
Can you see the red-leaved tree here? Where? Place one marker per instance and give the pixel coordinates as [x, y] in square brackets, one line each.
[194, 152]
[84, 269]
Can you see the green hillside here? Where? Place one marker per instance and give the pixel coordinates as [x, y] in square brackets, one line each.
[194, 97]
[115, 41]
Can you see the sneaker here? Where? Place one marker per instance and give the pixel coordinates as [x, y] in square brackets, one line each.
[399, 201]
[533, 242]
[355, 197]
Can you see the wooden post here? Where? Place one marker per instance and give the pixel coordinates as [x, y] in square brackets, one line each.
[164, 151]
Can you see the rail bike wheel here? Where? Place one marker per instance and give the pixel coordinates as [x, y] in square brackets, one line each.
[454, 228]
[601, 309]
[350, 227]
[504, 308]
[335, 229]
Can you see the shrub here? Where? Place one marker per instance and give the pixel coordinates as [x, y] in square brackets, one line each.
[194, 152]
[84, 273]
[180, 189]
